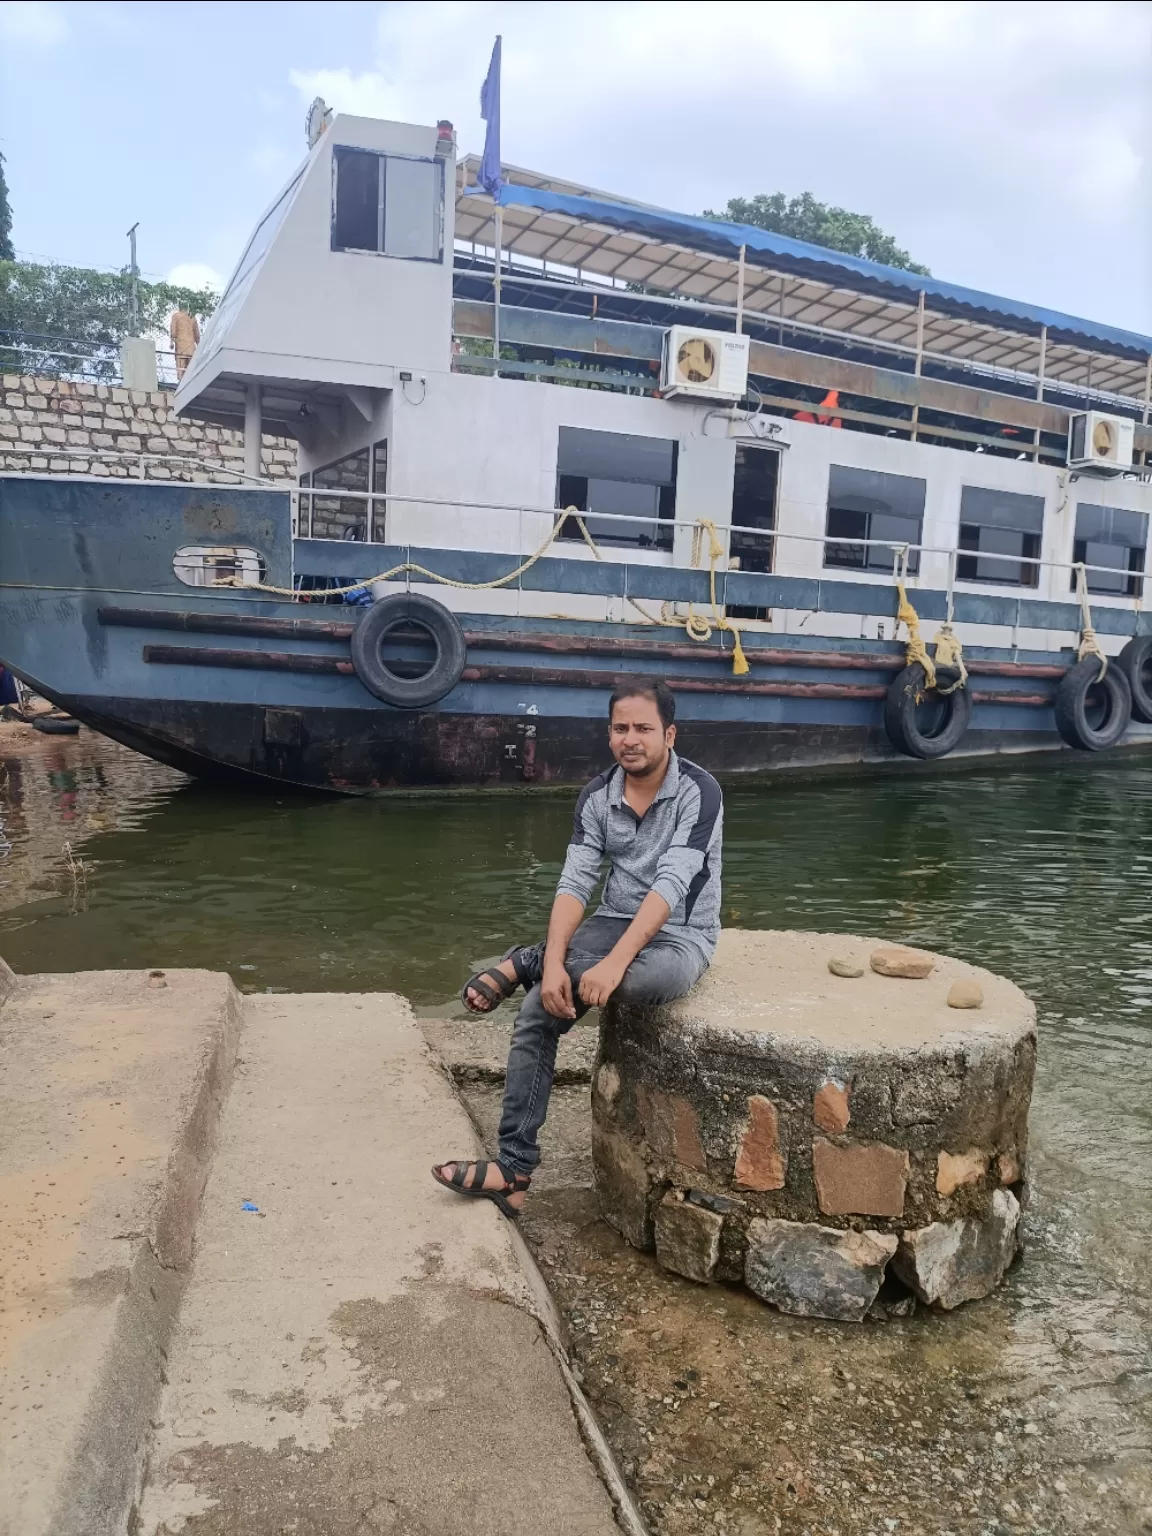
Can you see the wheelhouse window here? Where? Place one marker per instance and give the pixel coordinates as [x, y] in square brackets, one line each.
[1112, 537]
[1000, 524]
[391, 205]
[622, 475]
[866, 504]
[357, 519]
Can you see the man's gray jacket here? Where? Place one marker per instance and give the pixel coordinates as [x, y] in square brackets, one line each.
[674, 850]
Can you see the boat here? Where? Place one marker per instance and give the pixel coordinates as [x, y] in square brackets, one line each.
[852, 514]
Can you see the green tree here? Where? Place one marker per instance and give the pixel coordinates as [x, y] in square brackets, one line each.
[803, 218]
[6, 251]
[71, 320]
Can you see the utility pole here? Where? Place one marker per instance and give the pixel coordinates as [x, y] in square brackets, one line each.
[135, 273]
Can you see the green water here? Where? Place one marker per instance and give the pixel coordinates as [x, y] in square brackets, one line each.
[1042, 874]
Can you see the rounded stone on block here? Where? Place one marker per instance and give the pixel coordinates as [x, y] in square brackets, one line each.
[847, 968]
[966, 993]
[875, 1120]
[911, 964]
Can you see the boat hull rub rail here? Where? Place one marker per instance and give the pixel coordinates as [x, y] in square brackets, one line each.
[562, 645]
[563, 677]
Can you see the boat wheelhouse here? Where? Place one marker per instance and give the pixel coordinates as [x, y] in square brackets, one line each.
[591, 431]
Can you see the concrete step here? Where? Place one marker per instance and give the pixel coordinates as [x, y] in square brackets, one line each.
[476, 1050]
[363, 1352]
[110, 1088]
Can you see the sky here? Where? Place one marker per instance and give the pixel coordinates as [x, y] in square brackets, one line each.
[1005, 145]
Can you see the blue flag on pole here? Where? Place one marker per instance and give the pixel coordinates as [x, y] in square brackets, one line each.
[488, 176]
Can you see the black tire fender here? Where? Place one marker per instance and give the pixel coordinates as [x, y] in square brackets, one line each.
[1135, 661]
[1080, 692]
[408, 608]
[906, 692]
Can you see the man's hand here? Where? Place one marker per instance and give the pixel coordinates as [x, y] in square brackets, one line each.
[556, 990]
[598, 984]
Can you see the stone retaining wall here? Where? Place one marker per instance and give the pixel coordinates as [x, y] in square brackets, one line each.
[47, 424]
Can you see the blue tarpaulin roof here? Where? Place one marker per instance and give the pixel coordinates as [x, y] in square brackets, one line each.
[797, 256]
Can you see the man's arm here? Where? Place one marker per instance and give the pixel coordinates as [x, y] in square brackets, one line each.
[598, 984]
[556, 984]
[577, 882]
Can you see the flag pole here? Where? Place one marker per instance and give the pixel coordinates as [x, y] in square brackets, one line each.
[496, 286]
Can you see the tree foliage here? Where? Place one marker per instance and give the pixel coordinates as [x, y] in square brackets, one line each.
[803, 218]
[6, 251]
[71, 320]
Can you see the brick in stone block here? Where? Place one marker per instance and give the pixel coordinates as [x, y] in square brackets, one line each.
[950, 1262]
[814, 1271]
[760, 1163]
[671, 1128]
[687, 1238]
[1009, 1169]
[956, 1168]
[859, 1179]
[830, 1106]
[623, 1185]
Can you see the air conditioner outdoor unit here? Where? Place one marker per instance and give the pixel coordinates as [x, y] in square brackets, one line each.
[1097, 441]
[710, 365]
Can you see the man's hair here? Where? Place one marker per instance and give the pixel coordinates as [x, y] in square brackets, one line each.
[654, 688]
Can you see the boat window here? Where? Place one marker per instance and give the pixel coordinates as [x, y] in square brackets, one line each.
[868, 504]
[1000, 523]
[392, 205]
[359, 519]
[623, 475]
[753, 506]
[1111, 536]
[203, 565]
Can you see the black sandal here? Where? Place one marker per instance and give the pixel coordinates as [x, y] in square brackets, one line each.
[502, 986]
[514, 1183]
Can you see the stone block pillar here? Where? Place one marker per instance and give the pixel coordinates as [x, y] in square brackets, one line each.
[811, 1133]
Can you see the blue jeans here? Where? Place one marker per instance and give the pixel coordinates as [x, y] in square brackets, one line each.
[665, 968]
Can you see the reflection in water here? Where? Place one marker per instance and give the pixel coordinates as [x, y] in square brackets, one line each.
[1041, 874]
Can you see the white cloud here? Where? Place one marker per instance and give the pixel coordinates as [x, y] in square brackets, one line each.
[363, 95]
[196, 274]
[32, 21]
[1002, 142]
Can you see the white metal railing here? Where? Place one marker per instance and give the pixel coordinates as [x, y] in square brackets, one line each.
[586, 282]
[898, 548]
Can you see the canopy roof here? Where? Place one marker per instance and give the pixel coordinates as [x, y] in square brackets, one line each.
[576, 227]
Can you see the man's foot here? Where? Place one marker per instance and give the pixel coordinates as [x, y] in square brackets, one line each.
[477, 1001]
[505, 1187]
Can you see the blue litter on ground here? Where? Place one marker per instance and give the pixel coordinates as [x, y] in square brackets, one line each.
[248, 1206]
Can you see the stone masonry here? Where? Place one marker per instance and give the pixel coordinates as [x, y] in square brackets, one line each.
[816, 1130]
[53, 426]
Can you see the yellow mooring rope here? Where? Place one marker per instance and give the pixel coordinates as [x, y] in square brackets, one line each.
[949, 651]
[1089, 645]
[696, 626]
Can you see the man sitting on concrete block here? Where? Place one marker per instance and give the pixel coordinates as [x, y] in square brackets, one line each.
[659, 819]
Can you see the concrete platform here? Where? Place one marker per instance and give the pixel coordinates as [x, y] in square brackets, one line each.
[110, 1089]
[361, 1352]
[366, 1352]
